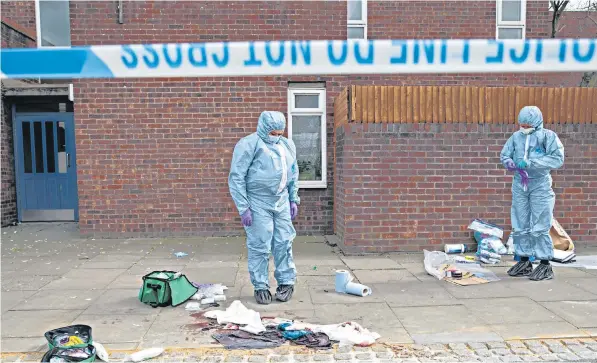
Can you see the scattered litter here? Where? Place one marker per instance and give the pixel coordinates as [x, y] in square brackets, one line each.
[237, 313]
[101, 352]
[349, 333]
[208, 300]
[305, 337]
[314, 268]
[561, 239]
[563, 256]
[180, 254]
[193, 306]
[486, 228]
[443, 267]
[244, 340]
[586, 262]
[454, 248]
[144, 355]
[510, 245]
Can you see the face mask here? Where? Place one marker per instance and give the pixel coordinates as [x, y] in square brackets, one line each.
[273, 139]
[527, 131]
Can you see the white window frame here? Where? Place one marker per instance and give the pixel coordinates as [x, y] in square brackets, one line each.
[358, 23]
[320, 111]
[38, 28]
[510, 24]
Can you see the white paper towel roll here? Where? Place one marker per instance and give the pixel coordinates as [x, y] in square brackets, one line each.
[342, 278]
[358, 289]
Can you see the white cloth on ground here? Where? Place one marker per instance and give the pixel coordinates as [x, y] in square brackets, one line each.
[237, 313]
[350, 333]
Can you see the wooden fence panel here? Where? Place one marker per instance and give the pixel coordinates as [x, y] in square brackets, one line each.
[472, 104]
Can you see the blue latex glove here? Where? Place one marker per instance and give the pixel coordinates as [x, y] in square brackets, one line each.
[247, 218]
[522, 164]
[293, 210]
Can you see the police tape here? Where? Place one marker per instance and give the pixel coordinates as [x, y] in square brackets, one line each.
[298, 57]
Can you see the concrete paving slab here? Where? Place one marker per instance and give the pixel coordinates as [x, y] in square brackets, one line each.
[301, 300]
[319, 270]
[453, 319]
[15, 281]
[582, 314]
[384, 276]
[418, 270]
[11, 299]
[175, 338]
[313, 249]
[78, 279]
[168, 251]
[33, 324]
[544, 330]
[40, 265]
[485, 291]
[367, 314]
[309, 239]
[327, 295]
[20, 345]
[146, 266]
[120, 302]
[587, 283]
[410, 294]
[113, 256]
[409, 258]
[126, 281]
[568, 272]
[392, 334]
[371, 263]
[509, 310]
[117, 328]
[235, 246]
[460, 337]
[316, 281]
[60, 299]
[213, 264]
[223, 275]
[310, 261]
[118, 264]
[592, 332]
[230, 257]
[553, 290]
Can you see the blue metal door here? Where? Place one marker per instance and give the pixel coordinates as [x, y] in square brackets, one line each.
[45, 160]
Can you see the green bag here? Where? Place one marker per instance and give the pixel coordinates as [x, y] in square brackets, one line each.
[165, 288]
[86, 354]
[82, 331]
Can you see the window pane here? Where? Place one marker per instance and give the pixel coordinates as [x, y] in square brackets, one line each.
[39, 148]
[54, 17]
[306, 101]
[27, 159]
[355, 9]
[50, 147]
[511, 10]
[356, 33]
[60, 132]
[306, 134]
[510, 33]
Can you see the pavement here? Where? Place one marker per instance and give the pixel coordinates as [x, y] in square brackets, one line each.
[51, 277]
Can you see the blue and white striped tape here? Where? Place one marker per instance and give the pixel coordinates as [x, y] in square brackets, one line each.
[302, 58]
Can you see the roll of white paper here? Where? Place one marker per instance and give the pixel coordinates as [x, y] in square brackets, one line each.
[358, 289]
[342, 278]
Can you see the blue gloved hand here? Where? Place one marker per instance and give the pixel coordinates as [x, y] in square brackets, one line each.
[510, 165]
[293, 210]
[247, 218]
[522, 164]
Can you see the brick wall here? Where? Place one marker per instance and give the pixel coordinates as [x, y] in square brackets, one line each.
[153, 154]
[15, 37]
[577, 24]
[22, 13]
[9, 192]
[407, 187]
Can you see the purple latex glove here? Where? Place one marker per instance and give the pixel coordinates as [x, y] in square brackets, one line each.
[293, 210]
[524, 176]
[247, 218]
[510, 165]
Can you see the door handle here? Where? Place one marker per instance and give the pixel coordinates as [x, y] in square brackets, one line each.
[68, 160]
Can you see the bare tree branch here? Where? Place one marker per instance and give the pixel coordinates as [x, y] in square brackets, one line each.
[558, 7]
